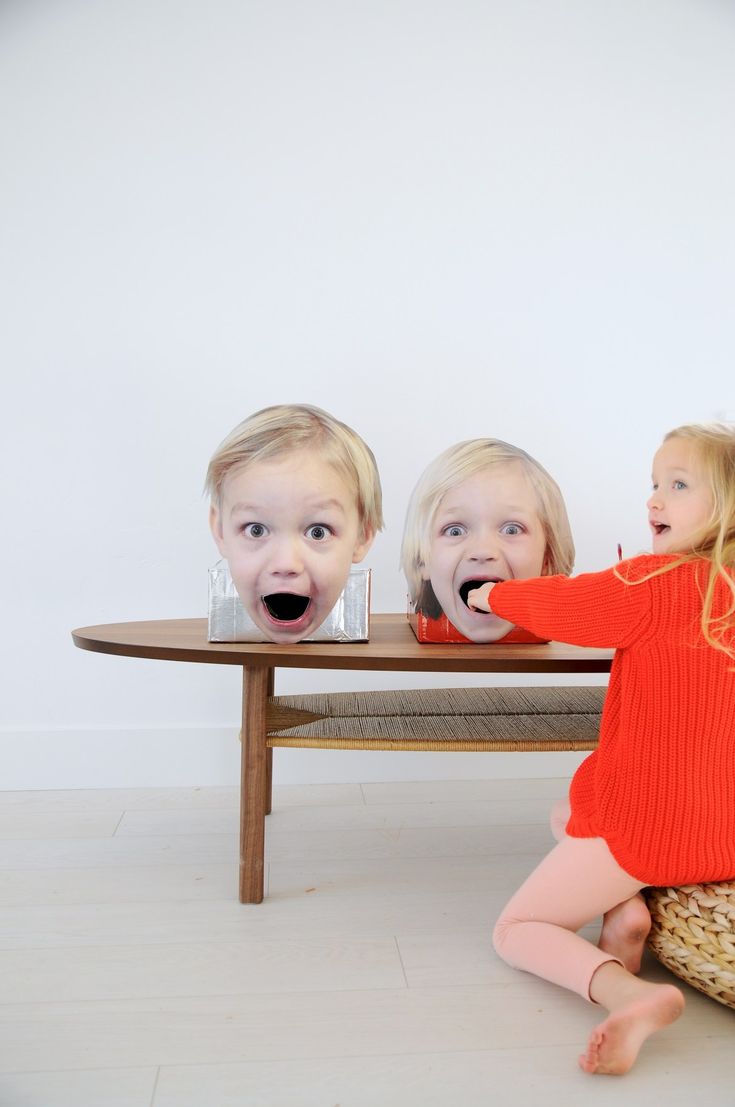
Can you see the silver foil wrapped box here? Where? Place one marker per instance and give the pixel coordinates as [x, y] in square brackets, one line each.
[348, 621]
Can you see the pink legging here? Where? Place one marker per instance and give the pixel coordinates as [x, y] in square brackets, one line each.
[576, 883]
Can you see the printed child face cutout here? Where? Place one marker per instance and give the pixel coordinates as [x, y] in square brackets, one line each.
[289, 529]
[485, 528]
[483, 510]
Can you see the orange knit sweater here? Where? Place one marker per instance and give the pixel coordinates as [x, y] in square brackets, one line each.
[660, 788]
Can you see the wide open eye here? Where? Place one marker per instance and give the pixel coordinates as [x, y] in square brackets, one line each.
[318, 532]
[255, 530]
[454, 530]
[512, 529]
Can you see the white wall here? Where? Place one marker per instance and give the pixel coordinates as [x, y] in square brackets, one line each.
[438, 220]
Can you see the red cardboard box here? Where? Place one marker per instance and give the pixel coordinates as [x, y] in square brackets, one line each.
[441, 630]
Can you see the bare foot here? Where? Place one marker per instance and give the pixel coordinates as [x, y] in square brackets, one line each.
[614, 1045]
[624, 932]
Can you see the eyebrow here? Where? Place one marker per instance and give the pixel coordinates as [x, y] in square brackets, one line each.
[315, 506]
[505, 509]
[678, 469]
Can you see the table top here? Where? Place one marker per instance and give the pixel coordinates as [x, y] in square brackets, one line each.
[392, 646]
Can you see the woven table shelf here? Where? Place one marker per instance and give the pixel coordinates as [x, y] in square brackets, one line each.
[463, 719]
[693, 935]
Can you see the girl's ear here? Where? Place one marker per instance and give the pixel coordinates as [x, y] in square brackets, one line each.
[547, 565]
[215, 525]
[362, 545]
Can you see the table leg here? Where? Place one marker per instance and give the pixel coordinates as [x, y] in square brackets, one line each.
[269, 754]
[268, 781]
[253, 783]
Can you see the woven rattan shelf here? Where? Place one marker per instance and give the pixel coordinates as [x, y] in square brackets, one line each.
[460, 719]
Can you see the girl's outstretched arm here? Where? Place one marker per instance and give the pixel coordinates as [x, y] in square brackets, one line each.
[593, 609]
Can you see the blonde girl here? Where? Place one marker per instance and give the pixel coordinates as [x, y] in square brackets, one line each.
[655, 803]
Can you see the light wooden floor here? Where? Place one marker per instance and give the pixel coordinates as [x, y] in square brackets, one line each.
[133, 978]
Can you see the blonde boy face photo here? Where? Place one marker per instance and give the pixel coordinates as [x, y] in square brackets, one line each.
[289, 529]
[486, 528]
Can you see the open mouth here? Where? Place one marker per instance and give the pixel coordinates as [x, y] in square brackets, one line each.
[470, 585]
[286, 607]
[660, 528]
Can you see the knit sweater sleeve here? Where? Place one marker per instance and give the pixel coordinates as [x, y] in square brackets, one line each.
[592, 609]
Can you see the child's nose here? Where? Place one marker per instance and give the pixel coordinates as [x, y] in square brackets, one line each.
[484, 548]
[654, 500]
[287, 560]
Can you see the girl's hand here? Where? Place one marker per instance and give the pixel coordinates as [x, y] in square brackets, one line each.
[477, 599]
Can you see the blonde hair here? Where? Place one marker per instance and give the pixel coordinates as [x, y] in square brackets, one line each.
[285, 428]
[455, 465]
[714, 445]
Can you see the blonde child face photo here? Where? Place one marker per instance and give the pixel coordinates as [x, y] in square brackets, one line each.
[295, 500]
[482, 511]
[289, 529]
[487, 528]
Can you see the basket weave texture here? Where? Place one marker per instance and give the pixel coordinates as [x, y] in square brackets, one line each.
[693, 935]
[440, 718]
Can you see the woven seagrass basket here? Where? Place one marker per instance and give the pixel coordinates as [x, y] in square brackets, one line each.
[693, 934]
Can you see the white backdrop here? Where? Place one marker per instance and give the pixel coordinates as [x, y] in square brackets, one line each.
[439, 219]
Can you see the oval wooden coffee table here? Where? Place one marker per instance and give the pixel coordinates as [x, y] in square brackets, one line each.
[490, 719]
